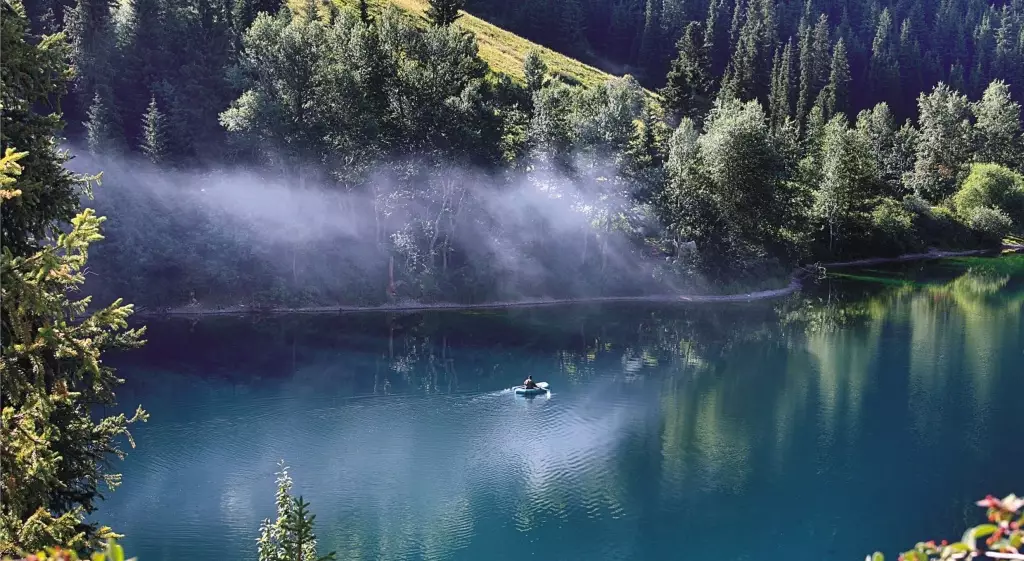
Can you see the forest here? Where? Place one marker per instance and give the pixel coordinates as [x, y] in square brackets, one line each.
[317, 152]
[780, 134]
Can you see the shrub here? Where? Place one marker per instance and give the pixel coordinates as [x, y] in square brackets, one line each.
[940, 227]
[917, 205]
[992, 185]
[291, 536]
[1003, 536]
[991, 224]
[112, 552]
[893, 226]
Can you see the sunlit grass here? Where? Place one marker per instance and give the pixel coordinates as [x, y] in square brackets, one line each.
[503, 50]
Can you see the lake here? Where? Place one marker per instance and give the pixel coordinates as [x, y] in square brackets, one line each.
[866, 412]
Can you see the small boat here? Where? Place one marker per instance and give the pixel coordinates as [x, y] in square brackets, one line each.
[542, 387]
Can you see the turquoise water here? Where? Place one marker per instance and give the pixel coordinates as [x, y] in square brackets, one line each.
[865, 413]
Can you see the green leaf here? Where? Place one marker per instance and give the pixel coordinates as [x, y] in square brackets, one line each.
[983, 530]
[972, 534]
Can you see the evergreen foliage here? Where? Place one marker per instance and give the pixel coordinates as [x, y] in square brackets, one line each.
[842, 118]
[443, 13]
[290, 536]
[154, 134]
[535, 71]
[54, 449]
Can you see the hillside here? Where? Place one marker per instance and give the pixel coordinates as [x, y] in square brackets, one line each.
[505, 51]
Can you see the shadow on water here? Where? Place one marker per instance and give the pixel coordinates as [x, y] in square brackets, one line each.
[819, 416]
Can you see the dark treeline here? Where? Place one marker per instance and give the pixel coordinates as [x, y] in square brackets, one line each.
[895, 49]
[427, 176]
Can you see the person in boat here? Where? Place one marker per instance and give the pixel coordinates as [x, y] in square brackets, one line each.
[529, 383]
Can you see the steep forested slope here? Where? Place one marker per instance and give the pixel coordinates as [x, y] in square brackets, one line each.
[895, 49]
[367, 155]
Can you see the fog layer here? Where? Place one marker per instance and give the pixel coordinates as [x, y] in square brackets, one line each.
[234, 236]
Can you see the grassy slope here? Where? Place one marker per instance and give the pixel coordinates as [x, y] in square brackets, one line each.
[503, 50]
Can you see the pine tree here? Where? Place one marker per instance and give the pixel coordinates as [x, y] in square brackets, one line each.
[806, 63]
[144, 58]
[57, 440]
[834, 97]
[290, 537]
[102, 130]
[364, 12]
[154, 134]
[891, 148]
[781, 104]
[89, 27]
[716, 36]
[535, 71]
[884, 71]
[650, 55]
[749, 73]
[52, 190]
[688, 85]
[814, 65]
[442, 13]
[244, 12]
[984, 50]
[912, 68]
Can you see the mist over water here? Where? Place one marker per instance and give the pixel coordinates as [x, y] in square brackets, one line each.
[455, 235]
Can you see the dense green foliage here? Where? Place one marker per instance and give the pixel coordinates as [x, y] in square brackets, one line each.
[992, 186]
[782, 137]
[54, 447]
[893, 50]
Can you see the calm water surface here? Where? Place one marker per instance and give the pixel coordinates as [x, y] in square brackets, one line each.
[865, 413]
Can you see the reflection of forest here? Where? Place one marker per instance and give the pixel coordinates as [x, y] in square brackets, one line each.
[712, 397]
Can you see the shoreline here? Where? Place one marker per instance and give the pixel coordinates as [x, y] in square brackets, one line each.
[795, 283]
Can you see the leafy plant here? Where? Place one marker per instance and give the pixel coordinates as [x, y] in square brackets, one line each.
[291, 536]
[112, 552]
[1002, 535]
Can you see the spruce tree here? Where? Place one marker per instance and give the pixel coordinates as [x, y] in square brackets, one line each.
[49, 191]
[834, 97]
[89, 27]
[364, 12]
[535, 71]
[884, 71]
[891, 148]
[781, 104]
[716, 35]
[154, 134]
[102, 131]
[442, 13]
[688, 86]
[290, 537]
[650, 55]
[814, 65]
[244, 12]
[57, 440]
